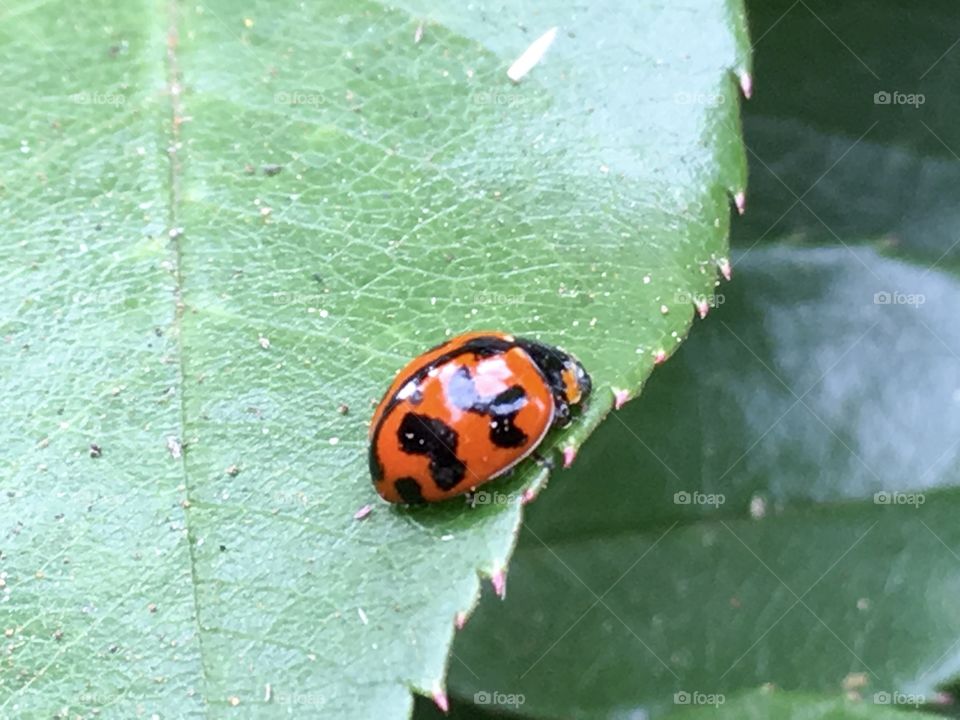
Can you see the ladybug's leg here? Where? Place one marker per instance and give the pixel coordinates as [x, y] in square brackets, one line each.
[543, 461]
[561, 413]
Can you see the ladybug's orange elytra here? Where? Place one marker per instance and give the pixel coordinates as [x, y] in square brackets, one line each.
[466, 412]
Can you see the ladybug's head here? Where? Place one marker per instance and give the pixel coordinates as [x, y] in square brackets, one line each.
[567, 378]
[576, 381]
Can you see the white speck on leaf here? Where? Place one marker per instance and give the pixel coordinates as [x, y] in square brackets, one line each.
[532, 55]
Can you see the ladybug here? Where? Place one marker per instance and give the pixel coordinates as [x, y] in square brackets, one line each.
[467, 411]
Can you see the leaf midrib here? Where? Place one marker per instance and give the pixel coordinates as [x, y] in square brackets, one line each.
[175, 170]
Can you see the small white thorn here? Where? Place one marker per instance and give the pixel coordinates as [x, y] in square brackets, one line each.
[528, 496]
[746, 84]
[703, 307]
[725, 269]
[659, 357]
[499, 581]
[740, 200]
[363, 512]
[943, 698]
[418, 34]
[569, 455]
[459, 620]
[532, 55]
[620, 398]
[440, 699]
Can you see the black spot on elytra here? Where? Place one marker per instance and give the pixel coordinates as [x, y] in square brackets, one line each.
[409, 490]
[423, 435]
[503, 433]
[510, 401]
[502, 408]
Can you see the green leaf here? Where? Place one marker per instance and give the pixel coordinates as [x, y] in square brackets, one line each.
[828, 375]
[226, 231]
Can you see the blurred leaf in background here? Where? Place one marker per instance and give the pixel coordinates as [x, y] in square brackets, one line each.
[780, 505]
